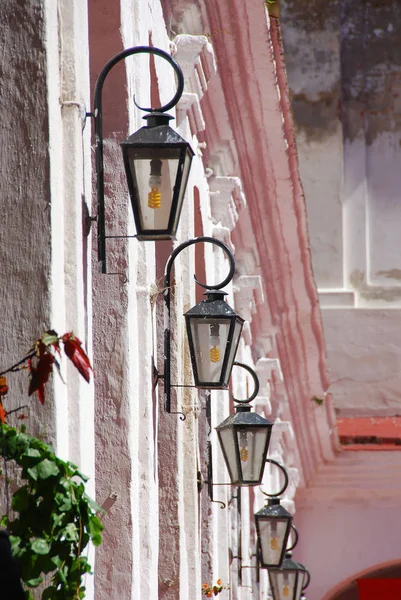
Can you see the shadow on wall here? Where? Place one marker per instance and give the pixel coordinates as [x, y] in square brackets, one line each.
[348, 589]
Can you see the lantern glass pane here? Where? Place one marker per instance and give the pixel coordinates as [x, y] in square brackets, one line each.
[252, 444]
[233, 348]
[301, 580]
[283, 584]
[154, 174]
[228, 443]
[272, 536]
[183, 185]
[210, 340]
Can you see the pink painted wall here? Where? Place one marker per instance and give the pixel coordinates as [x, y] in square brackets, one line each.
[348, 519]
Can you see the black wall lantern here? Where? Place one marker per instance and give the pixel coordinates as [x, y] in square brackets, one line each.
[157, 162]
[215, 337]
[289, 582]
[273, 526]
[244, 439]
[214, 330]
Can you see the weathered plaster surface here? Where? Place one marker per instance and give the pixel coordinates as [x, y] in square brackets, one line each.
[111, 357]
[44, 174]
[24, 194]
[349, 161]
[364, 354]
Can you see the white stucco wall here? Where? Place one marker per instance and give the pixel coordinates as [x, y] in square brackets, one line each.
[347, 117]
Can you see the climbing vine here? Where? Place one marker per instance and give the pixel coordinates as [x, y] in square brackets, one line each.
[55, 519]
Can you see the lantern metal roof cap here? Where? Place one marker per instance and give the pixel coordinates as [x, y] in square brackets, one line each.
[274, 509]
[214, 304]
[289, 564]
[157, 132]
[244, 418]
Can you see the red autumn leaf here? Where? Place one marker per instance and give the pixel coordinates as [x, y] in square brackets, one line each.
[75, 352]
[21, 416]
[3, 386]
[2, 414]
[39, 374]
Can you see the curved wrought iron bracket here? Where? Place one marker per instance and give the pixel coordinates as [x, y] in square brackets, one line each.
[255, 380]
[286, 480]
[307, 577]
[98, 118]
[167, 301]
[296, 538]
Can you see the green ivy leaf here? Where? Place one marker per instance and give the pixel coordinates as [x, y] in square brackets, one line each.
[71, 533]
[33, 472]
[95, 526]
[55, 518]
[94, 505]
[56, 561]
[33, 452]
[40, 546]
[96, 539]
[21, 498]
[64, 502]
[47, 468]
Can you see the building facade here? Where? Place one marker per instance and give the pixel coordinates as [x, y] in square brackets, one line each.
[163, 537]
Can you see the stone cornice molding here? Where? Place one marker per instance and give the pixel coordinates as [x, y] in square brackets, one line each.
[189, 106]
[247, 111]
[259, 115]
[294, 481]
[265, 367]
[248, 294]
[223, 234]
[276, 441]
[227, 199]
[195, 55]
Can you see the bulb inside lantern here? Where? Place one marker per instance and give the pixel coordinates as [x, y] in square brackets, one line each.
[286, 587]
[274, 540]
[155, 181]
[214, 352]
[243, 444]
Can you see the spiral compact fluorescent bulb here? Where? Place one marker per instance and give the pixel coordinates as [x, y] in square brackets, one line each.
[274, 540]
[286, 587]
[214, 352]
[243, 444]
[155, 181]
